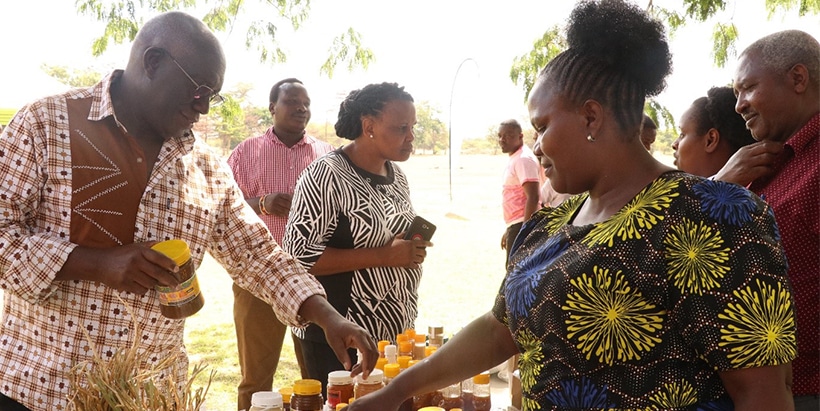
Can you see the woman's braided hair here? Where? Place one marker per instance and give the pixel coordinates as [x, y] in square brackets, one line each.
[369, 100]
[618, 55]
[717, 110]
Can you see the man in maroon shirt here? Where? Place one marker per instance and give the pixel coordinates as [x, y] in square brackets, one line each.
[777, 84]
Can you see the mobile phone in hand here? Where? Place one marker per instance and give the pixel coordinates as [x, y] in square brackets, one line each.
[420, 229]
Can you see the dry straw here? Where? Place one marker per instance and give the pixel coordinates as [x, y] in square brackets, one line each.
[118, 384]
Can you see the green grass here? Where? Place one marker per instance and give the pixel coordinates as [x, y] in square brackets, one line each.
[462, 271]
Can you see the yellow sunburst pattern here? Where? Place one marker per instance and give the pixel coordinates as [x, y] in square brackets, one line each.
[561, 215]
[643, 212]
[609, 319]
[761, 328]
[674, 395]
[531, 359]
[695, 256]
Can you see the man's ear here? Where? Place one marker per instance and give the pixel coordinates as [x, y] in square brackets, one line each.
[712, 140]
[151, 59]
[271, 108]
[799, 78]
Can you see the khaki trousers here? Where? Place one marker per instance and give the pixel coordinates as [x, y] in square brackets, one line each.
[259, 338]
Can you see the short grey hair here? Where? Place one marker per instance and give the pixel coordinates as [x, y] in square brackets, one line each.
[779, 52]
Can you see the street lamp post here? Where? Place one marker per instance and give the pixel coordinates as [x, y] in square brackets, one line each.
[450, 122]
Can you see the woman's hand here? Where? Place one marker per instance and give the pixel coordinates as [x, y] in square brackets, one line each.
[406, 253]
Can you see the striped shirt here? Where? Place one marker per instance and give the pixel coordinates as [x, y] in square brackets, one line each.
[264, 165]
[339, 205]
[190, 194]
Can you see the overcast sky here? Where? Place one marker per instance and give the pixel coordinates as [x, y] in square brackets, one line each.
[419, 44]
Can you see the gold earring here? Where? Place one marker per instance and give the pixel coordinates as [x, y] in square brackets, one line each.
[590, 138]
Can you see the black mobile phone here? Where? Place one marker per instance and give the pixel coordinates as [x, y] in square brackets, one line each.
[420, 229]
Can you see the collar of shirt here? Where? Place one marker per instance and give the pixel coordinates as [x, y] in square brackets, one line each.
[799, 142]
[306, 138]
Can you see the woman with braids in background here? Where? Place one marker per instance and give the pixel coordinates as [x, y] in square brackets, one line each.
[710, 132]
[349, 213]
[649, 288]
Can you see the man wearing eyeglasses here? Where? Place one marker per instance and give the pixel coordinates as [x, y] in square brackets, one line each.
[90, 180]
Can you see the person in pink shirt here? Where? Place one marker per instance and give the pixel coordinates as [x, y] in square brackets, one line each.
[777, 83]
[266, 168]
[521, 183]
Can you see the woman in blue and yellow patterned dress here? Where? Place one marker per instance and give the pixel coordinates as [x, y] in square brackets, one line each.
[650, 288]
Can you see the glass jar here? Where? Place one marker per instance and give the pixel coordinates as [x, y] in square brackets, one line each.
[381, 344]
[186, 298]
[481, 393]
[286, 394]
[406, 348]
[307, 396]
[373, 383]
[390, 371]
[339, 387]
[450, 397]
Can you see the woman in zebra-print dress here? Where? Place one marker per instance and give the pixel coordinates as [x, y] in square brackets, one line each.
[349, 212]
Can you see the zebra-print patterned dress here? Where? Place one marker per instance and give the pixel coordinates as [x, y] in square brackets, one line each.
[339, 205]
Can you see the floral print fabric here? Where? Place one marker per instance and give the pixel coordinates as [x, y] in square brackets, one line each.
[642, 311]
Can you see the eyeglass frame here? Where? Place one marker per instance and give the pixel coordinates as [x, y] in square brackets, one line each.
[214, 98]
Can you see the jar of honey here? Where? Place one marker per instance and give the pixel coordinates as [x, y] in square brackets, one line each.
[307, 396]
[186, 298]
[339, 387]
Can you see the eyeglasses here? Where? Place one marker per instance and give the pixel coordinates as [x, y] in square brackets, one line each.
[202, 91]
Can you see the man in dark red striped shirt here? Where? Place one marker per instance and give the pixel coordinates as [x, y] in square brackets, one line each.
[266, 168]
[777, 84]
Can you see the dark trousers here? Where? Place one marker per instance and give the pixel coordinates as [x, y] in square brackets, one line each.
[320, 360]
[512, 232]
[8, 404]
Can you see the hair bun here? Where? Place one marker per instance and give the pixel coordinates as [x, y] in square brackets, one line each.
[624, 37]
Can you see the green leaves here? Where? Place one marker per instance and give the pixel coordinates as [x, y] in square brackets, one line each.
[525, 68]
[73, 77]
[702, 10]
[123, 18]
[723, 43]
[347, 49]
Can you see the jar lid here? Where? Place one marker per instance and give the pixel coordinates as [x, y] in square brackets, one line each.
[403, 360]
[390, 349]
[307, 387]
[339, 377]
[406, 346]
[176, 250]
[381, 344]
[266, 399]
[391, 370]
[482, 378]
[380, 363]
[434, 330]
[431, 409]
[286, 393]
[375, 377]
